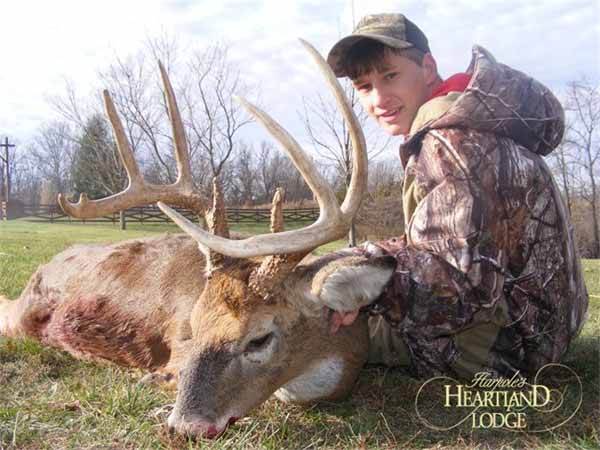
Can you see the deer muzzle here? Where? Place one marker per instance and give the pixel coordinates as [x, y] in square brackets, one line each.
[198, 427]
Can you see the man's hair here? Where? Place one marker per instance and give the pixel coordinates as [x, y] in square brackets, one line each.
[367, 55]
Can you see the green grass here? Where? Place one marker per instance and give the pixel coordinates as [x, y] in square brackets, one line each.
[48, 400]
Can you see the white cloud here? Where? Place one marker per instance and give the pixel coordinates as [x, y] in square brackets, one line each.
[42, 42]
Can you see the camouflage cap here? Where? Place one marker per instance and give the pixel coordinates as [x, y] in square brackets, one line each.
[393, 30]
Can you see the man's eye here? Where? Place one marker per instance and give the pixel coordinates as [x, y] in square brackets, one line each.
[391, 75]
[364, 87]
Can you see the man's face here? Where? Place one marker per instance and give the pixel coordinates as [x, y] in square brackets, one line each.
[393, 93]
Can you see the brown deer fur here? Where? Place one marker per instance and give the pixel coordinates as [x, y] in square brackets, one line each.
[148, 304]
[231, 331]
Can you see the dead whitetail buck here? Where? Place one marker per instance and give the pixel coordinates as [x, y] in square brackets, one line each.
[233, 321]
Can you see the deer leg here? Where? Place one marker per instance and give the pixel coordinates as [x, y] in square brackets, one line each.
[10, 314]
[30, 314]
[165, 378]
[168, 376]
[27, 316]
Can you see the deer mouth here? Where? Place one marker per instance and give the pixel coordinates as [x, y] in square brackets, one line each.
[199, 428]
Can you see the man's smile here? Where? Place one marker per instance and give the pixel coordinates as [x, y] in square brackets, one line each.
[391, 115]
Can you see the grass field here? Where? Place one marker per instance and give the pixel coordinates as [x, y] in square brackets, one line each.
[48, 400]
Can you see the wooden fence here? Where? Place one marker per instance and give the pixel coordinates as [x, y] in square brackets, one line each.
[151, 214]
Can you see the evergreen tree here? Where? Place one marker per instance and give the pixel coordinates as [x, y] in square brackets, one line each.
[97, 169]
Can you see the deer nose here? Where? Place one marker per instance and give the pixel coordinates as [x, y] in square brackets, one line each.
[204, 429]
[198, 428]
[232, 420]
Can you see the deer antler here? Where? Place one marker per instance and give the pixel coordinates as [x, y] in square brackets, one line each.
[138, 192]
[277, 224]
[333, 221]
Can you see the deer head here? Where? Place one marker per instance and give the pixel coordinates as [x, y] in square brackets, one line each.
[259, 326]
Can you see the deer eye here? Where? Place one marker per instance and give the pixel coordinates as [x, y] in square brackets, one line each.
[259, 343]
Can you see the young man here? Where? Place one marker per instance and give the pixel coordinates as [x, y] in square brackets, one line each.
[488, 274]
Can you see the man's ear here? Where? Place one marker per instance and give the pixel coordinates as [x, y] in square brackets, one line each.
[430, 69]
[349, 283]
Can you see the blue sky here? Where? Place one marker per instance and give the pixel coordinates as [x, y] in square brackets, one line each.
[42, 43]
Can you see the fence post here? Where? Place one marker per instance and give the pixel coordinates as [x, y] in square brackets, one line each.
[122, 221]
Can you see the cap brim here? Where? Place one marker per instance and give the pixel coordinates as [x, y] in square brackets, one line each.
[339, 51]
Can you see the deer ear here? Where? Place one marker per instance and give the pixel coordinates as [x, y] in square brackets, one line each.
[349, 283]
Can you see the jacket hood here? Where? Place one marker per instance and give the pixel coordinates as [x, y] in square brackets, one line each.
[507, 102]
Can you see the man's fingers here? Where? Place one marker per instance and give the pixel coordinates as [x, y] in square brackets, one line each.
[339, 319]
[349, 317]
[335, 322]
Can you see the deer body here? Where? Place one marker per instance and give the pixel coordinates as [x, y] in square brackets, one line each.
[140, 304]
[120, 302]
[232, 321]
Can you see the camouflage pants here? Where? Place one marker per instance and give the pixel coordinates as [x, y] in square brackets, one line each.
[472, 349]
[400, 337]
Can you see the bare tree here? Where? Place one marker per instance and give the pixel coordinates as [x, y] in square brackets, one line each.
[381, 213]
[563, 164]
[205, 84]
[26, 181]
[214, 116]
[384, 174]
[256, 175]
[243, 190]
[52, 151]
[73, 109]
[270, 164]
[134, 87]
[583, 103]
[293, 183]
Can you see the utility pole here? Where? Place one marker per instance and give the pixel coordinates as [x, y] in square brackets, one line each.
[5, 159]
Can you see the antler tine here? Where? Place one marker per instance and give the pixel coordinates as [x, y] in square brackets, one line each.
[358, 183]
[138, 192]
[333, 222]
[277, 225]
[125, 152]
[181, 147]
[216, 218]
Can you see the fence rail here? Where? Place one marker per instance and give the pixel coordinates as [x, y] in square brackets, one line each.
[151, 214]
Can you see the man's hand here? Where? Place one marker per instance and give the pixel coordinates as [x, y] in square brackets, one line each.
[346, 285]
[339, 319]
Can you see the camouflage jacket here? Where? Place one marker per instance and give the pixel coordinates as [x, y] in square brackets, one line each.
[488, 276]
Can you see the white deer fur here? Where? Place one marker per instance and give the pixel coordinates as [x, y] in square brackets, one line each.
[320, 380]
